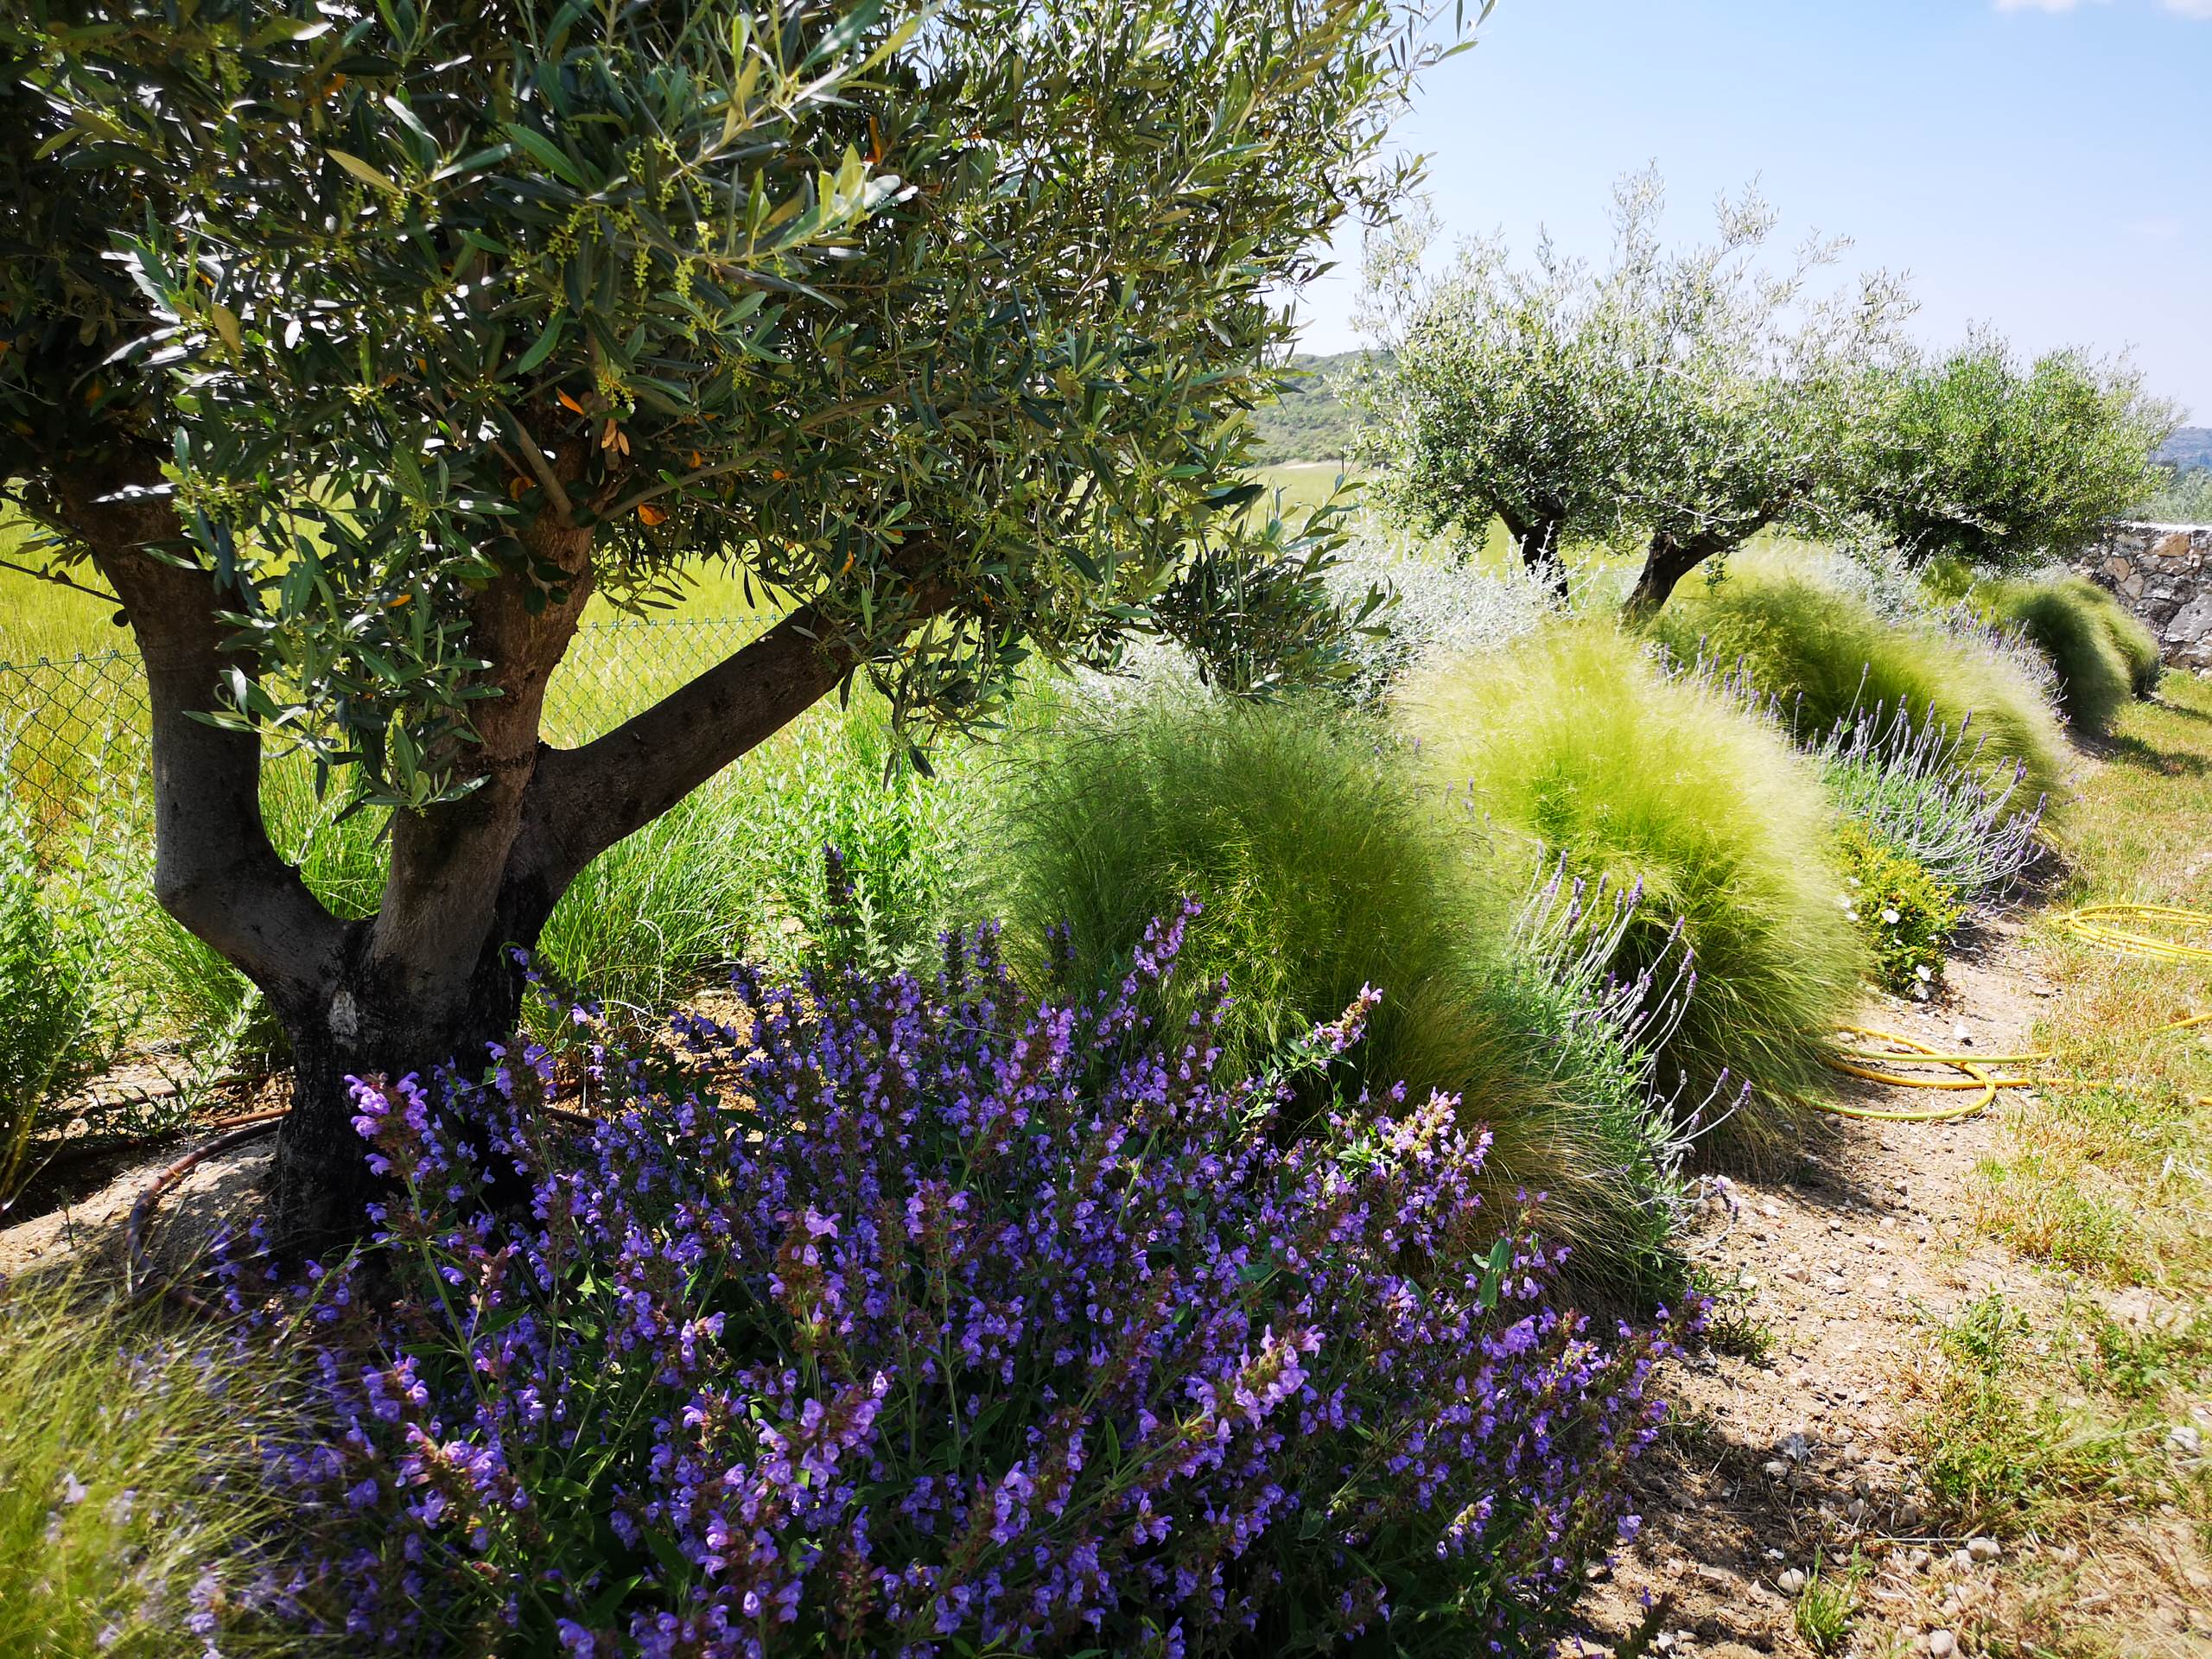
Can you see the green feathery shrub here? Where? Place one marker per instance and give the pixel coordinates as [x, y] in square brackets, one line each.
[1321, 868]
[58, 1022]
[1576, 740]
[1823, 654]
[2137, 645]
[2094, 679]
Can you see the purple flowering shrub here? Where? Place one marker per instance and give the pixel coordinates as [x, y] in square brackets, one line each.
[925, 1318]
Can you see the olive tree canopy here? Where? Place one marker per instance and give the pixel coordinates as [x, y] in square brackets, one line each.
[357, 346]
[1977, 459]
[1685, 398]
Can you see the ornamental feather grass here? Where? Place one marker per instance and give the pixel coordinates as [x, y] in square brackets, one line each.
[1575, 742]
[128, 1480]
[2095, 679]
[1825, 655]
[2131, 636]
[1321, 867]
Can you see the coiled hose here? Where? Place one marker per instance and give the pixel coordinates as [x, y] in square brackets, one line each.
[2116, 928]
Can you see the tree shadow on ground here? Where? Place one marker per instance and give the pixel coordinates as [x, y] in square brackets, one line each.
[2144, 757]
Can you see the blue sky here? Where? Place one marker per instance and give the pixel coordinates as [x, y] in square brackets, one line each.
[2043, 166]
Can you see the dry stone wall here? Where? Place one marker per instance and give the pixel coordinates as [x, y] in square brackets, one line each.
[2164, 574]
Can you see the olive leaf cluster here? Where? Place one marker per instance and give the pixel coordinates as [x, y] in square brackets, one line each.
[940, 322]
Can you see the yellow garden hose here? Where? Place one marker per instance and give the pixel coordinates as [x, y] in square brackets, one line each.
[2115, 927]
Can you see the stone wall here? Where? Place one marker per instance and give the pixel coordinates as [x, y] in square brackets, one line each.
[2164, 574]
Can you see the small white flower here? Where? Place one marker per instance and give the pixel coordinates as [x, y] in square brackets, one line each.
[1920, 992]
[1851, 913]
[1922, 973]
[1852, 880]
[1891, 916]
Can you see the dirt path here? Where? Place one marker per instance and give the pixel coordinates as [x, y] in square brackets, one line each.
[1797, 1456]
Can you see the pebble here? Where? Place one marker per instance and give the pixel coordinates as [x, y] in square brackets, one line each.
[1791, 1581]
[1775, 1468]
[1983, 1549]
[2186, 1439]
[1941, 1643]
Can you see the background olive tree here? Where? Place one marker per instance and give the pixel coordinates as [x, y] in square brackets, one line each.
[1686, 398]
[355, 348]
[1973, 457]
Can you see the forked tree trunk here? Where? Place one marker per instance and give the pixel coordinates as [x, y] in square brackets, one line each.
[320, 1182]
[431, 979]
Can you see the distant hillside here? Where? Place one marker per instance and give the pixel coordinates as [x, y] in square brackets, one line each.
[1309, 422]
[2189, 446]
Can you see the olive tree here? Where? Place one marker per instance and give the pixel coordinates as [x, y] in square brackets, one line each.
[1757, 387]
[1973, 458]
[1495, 391]
[1686, 398]
[356, 348]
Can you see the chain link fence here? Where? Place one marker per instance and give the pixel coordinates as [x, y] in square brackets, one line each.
[74, 728]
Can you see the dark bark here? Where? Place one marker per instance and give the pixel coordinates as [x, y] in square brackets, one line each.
[433, 978]
[1666, 562]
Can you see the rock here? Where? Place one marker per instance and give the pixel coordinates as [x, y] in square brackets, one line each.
[2186, 1439]
[1791, 1581]
[1775, 1468]
[1941, 1643]
[1983, 1549]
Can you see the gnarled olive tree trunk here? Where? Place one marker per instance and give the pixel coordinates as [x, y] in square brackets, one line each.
[432, 977]
[1666, 562]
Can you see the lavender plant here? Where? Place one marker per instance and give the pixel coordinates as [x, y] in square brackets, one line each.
[1927, 789]
[927, 1318]
[1924, 789]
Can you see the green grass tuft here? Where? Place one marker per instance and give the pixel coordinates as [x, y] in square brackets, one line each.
[2130, 636]
[2094, 679]
[1825, 653]
[1826, 1606]
[1321, 868]
[127, 1474]
[1574, 740]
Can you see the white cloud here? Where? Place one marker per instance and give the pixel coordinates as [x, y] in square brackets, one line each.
[2201, 10]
